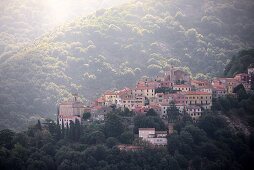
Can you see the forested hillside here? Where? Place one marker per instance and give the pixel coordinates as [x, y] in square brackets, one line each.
[210, 144]
[240, 62]
[115, 47]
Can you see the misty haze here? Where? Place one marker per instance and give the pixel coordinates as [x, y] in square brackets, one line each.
[127, 84]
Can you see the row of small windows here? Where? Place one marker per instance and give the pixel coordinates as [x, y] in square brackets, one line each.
[195, 114]
[198, 97]
[194, 110]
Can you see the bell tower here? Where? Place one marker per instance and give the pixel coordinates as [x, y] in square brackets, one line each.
[169, 73]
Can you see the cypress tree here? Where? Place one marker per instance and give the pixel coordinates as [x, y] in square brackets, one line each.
[63, 130]
[77, 130]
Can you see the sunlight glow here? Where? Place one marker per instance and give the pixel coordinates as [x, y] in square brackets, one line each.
[59, 10]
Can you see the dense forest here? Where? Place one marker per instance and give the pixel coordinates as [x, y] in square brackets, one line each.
[212, 143]
[111, 48]
[240, 63]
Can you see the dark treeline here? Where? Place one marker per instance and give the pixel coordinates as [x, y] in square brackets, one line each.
[209, 144]
[110, 49]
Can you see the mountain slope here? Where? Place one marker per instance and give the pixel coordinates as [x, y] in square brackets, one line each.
[113, 48]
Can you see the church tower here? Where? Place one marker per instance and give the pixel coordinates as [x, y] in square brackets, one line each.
[169, 73]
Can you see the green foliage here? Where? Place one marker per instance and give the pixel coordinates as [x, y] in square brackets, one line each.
[151, 112]
[240, 92]
[239, 63]
[148, 122]
[6, 137]
[125, 113]
[173, 113]
[86, 115]
[113, 126]
[209, 144]
[126, 137]
[81, 54]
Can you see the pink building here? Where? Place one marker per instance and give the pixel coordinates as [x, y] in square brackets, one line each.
[70, 111]
[242, 77]
[219, 91]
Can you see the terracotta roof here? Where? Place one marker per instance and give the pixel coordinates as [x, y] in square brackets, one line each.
[123, 91]
[218, 87]
[197, 93]
[181, 85]
[101, 99]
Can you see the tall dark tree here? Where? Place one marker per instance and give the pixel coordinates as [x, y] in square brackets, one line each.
[77, 130]
[72, 128]
[38, 125]
[173, 112]
[113, 126]
[86, 115]
[63, 130]
[241, 92]
[6, 137]
[151, 112]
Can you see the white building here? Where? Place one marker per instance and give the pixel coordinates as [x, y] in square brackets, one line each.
[156, 138]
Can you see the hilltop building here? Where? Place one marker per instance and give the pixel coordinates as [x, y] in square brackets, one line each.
[173, 74]
[175, 85]
[71, 110]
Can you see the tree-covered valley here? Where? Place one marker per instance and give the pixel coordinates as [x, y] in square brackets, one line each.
[113, 48]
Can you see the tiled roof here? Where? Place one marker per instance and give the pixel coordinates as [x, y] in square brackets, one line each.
[217, 87]
[197, 93]
[100, 100]
[181, 85]
[144, 88]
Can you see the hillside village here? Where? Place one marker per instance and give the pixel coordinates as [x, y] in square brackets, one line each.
[173, 89]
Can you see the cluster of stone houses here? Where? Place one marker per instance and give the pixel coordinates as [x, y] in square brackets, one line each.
[190, 96]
